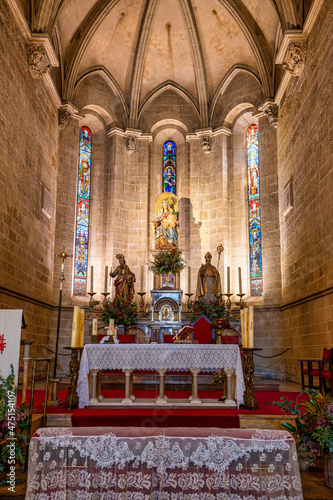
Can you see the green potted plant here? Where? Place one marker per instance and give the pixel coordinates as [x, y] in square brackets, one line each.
[123, 313]
[14, 423]
[167, 262]
[313, 429]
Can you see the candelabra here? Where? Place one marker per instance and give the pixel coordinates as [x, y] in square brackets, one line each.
[142, 304]
[72, 398]
[105, 300]
[250, 401]
[189, 302]
[92, 304]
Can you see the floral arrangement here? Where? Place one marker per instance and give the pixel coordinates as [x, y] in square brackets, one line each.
[212, 309]
[167, 261]
[313, 429]
[123, 313]
[21, 427]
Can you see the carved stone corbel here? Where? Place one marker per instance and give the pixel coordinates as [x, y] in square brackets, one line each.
[65, 112]
[206, 144]
[63, 118]
[294, 59]
[131, 144]
[38, 60]
[272, 113]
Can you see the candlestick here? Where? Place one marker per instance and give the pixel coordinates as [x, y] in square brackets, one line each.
[142, 304]
[106, 276]
[189, 302]
[250, 401]
[189, 280]
[241, 302]
[228, 281]
[105, 300]
[91, 279]
[240, 279]
[92, 304]
[228, 302]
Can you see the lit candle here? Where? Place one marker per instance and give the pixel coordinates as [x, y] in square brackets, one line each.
[106, 279]
[240, 279]
[228, 279]
[74, 339]
[141, 280]
[251, 327]
[189, 280]
[94, 327]
[91, 279]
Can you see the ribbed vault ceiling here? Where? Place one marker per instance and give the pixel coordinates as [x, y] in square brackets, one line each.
[145, 44]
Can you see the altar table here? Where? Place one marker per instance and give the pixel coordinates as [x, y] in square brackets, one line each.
[195, 358]
[166, 464]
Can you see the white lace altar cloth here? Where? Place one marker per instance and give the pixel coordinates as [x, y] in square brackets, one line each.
[174, 357]
[166, 464]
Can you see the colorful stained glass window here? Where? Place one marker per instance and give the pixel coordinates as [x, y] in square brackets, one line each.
[256, 284]
[82, 213]
[169, 167]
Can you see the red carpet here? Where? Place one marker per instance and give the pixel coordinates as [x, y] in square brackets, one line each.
[264, 399]
[156, 417]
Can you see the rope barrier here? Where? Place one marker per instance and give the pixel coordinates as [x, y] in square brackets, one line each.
[275, 355]
[60, 354]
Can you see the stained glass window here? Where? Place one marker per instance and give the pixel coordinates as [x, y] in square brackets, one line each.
[169, 167]
[82, 213]
[256, 285]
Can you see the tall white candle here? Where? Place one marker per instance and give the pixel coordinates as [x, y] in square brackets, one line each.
[189, 280]
[91, 279]
[75, 327]
[228, 279]
[106, 279]
[141, 280]
[94, 326]
[240, 279]
[81, 342]
[251, 327]
[242, 327]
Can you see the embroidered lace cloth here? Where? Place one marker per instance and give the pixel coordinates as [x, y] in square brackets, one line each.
[167, 464]
[174, 357]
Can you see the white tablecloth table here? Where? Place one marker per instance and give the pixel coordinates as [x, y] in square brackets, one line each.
[195, 358]
[114, 463]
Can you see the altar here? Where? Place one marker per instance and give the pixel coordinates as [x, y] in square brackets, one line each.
[193, 358]
[143, 463]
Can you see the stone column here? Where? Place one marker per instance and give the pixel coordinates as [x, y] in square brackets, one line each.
[127, 398]
[195, 399]
[93, 398]
[162, 399]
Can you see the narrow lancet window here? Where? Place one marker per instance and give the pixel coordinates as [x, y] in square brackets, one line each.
[82, 213]
[169, 167]
[256, 282]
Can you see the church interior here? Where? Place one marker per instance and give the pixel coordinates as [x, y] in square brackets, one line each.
[132, 127]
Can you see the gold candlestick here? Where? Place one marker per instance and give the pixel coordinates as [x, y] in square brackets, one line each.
[228, 302]
[92, 304]
[72, 398]
[105, 300]
[142, 305]
[241, 302]
[189, 302]
[250, 401]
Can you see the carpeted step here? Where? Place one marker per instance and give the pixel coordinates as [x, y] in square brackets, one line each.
[156, 417]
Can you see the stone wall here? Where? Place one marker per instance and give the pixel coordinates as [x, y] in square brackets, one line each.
[29, 166]
[305, 138]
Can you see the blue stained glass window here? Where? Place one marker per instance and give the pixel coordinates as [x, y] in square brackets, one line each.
[82, 213]
[169, 167]
[256, 282]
